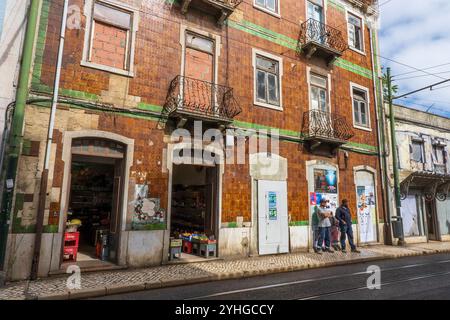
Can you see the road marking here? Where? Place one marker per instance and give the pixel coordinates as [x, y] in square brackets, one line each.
[383, 284]
[284, 284]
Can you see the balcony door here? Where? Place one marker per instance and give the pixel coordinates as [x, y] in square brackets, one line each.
[199, 69]
[320, 118]
[315, 11]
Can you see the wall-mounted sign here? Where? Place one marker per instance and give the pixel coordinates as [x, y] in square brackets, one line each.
[147, 211]
[273, 211]
[366, 213]
[325, 181]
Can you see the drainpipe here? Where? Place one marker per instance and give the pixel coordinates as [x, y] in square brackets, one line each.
[382, 144]
[48, 149]
[16, 136]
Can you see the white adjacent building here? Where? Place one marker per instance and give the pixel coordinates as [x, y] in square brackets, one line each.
[423, 143]
[13, 21]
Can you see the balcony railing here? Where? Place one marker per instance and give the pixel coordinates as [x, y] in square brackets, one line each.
[326, 126]
[222, 9]
[193, 98]
[316, 36]
[440, 168]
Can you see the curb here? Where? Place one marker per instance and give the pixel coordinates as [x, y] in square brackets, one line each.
[167, 283]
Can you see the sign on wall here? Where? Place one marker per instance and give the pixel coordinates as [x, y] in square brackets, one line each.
[366, 213]
[273, 211]
[147, 213]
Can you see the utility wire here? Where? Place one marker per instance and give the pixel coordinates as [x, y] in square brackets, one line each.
[386, 2]
[422, 76]
[428, 68]
[406, 65]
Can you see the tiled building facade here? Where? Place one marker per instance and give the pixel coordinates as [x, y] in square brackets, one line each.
[118, 68]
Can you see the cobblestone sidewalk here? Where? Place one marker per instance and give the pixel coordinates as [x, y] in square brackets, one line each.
[112, 282]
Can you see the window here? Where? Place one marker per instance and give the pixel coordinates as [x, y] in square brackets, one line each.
[360, 108]
[109, 44]
[268, 5]
[315, 10]
[199, 57]
[267, 77]
[355, 35]
[319, 92]
[417, 151]
[439, 154]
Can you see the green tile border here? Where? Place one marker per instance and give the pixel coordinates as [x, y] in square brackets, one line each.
[303, 223]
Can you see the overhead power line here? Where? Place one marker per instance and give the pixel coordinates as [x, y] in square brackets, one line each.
[422, 76]
[409, 66]
[428, 68]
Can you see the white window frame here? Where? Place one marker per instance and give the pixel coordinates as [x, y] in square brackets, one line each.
[273, 13]
[256, 52]
[363, 23]
[308, 80]
[325, 6]
[88, 37]
[422, 142]
[367, 92]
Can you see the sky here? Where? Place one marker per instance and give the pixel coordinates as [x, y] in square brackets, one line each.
[417, 33]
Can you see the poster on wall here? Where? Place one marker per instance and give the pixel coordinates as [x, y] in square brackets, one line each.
[147, 212]
[273, 211]
[325, 181]
[366, 213]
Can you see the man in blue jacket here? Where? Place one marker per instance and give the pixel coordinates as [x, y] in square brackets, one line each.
[345, 224]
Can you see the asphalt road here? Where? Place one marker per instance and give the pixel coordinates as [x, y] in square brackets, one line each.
[421, 278]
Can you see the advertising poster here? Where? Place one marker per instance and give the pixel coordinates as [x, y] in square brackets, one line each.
[273, 212]
[147, 211]
[325, 181]
[366, 213]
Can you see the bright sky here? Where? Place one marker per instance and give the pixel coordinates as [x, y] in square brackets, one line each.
[417, 33]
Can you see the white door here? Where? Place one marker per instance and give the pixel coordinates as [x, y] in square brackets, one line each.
[366, 206]
[273, 225]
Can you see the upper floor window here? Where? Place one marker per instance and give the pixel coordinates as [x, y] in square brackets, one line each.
[267, 80]
[319, 92]
[360, 108]
[355, 32]
[417, 151]
[315, 10]
[439, 158]
[268, 73]
[110, 42]
[270, 6]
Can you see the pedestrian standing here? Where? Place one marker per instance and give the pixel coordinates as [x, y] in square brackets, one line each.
[324, 225]
[345, 223]
[315, 229]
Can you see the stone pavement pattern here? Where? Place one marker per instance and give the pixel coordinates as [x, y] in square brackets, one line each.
[112, 282]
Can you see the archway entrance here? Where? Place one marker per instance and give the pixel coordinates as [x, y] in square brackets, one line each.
[94, 201]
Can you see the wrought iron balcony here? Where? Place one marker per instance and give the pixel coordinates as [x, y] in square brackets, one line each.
[325, 129]
[190, 98]
[221, 9]
[440, 168]
[321, 40]
[369, 7]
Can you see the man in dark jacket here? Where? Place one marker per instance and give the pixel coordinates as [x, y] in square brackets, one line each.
[345, 224]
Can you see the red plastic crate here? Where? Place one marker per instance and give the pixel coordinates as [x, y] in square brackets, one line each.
[71, 239]
[187, 247]
[71, 252]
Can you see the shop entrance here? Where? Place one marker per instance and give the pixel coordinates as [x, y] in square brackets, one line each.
[93, 216]
[194, 213]
[430, 209]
